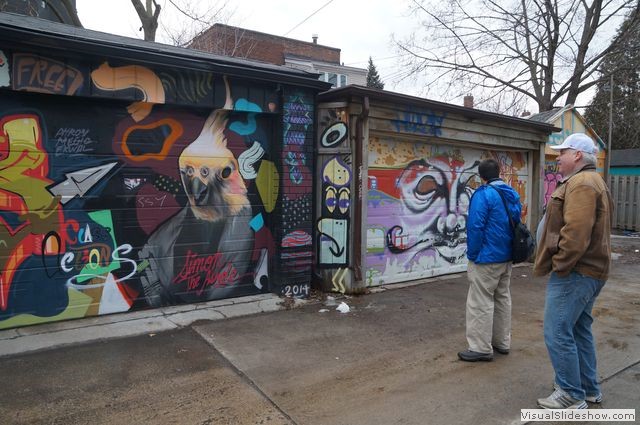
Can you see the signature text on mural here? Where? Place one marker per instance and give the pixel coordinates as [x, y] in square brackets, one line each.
[200, 272]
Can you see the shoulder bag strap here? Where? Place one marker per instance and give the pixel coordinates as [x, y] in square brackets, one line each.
[513, 225]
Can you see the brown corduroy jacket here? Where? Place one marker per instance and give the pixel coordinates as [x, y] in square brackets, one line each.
[577, 228]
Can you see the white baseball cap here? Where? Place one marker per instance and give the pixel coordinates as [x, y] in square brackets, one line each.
[579, 142]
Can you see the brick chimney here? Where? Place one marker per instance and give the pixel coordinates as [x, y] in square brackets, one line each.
[315, 38]
[468, 101]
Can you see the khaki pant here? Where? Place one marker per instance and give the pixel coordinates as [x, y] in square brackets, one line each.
[488, 306]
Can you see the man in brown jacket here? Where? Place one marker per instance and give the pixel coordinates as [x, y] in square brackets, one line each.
[575, 247]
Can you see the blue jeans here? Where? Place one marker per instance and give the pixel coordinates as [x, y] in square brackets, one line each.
[567, 332]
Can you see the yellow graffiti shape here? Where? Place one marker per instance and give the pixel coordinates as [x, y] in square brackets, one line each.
[18, 170]
[77, 308]
[338, 280]
[23, 183]
[330, 198]
[335, 173]
[267, 183]
[131, 76]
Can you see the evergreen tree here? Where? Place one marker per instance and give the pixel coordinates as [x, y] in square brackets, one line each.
[373, 78]
[625, 60]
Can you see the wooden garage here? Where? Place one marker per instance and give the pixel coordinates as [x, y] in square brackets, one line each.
[397, 173]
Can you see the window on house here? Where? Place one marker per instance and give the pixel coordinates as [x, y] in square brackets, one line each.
[333, 79]
[336, 80]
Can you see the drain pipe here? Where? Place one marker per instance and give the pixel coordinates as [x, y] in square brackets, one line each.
[360, 162]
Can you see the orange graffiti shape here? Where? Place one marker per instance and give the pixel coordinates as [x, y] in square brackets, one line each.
[131, 76]
[176, 132]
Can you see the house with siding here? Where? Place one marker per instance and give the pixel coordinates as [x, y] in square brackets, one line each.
[308, 56]
[625, 188]
[569, 121]
[625, 162]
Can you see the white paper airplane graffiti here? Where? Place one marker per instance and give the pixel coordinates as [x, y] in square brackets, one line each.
[79, 182]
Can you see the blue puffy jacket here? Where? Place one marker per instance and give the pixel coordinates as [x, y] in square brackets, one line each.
[489, 233]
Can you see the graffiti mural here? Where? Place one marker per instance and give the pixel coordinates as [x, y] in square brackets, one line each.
[334, 198]
[334, 135]
[551, 178]
[333, 226]
[296, 244]
[108, 207]
[512, 164]
[418, 201]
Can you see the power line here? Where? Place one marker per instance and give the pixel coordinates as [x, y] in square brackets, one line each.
[308, 17]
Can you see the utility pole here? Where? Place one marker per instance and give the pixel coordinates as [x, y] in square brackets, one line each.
[607, 158]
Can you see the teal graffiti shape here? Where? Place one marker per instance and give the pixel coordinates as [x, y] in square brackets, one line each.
[248, 127]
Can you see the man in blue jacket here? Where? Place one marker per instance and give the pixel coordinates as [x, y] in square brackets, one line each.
[489, 236]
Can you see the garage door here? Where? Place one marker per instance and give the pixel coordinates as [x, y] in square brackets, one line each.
[103, 212]
[418, 201]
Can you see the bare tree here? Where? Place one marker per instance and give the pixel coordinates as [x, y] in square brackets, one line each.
[185, 23]
[149, 15]
[191, 20]
[225, 40]
[544, 50]
[207, 30]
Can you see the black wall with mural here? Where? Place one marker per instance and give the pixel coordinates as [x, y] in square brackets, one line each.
[127, 186]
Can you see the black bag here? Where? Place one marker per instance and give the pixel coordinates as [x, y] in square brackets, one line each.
[524, 244]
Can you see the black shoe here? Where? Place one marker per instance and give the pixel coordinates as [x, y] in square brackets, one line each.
[473, 356]
[504, 351]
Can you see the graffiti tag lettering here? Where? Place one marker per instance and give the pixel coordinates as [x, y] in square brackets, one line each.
[151, 201]
[210, 267]
[73, 141]
[95, 263]
[35, 73]
[412, 122]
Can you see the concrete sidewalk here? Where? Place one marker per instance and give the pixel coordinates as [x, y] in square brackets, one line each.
[60, 334]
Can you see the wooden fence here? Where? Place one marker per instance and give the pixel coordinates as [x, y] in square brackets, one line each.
[626, 199]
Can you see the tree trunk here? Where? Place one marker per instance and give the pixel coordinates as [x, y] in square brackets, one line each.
[148, 17]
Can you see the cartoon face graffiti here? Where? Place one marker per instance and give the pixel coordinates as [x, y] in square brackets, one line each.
[435, 202]
[210, 173]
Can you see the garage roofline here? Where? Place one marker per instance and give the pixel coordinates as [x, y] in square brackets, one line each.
[18, 31]
[388, 96]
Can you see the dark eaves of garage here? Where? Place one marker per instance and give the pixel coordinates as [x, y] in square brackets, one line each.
[352, 91]
[21, 32]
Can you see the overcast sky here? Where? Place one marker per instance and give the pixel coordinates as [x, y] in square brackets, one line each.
[360, 28]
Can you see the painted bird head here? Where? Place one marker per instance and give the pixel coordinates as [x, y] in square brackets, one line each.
[210, 173]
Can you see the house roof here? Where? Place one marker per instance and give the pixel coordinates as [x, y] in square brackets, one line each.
[625, 158]
[554, 114]
[19, 31]
[319, 62]
[546, 116]
[266, 35]
[384, 95]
